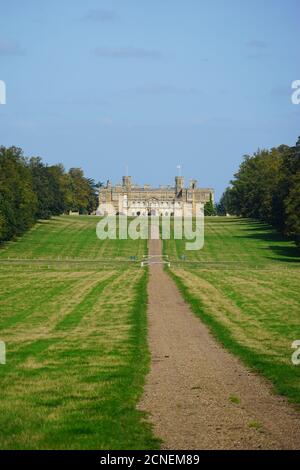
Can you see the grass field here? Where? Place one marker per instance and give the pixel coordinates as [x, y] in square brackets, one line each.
[245, 284]
[70, 238]
[73, 317]
[76, 340]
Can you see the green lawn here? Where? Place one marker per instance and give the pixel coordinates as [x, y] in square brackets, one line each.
[76, 340]
[70, 238]
[73, 316]
[245, 284]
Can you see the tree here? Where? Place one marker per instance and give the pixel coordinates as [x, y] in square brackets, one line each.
[18, 202]
[209, 208]
[267, 187]
[59, 182]
[84, 194]
[31, 190]
[42, 187]
[225, 205]
[292, 200]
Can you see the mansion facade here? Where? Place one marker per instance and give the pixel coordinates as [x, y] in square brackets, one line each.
[133, 200]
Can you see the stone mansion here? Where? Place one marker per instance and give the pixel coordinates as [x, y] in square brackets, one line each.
[133, 200]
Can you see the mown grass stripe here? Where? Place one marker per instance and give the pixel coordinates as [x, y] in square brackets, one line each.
[285, 378]
[73, 318]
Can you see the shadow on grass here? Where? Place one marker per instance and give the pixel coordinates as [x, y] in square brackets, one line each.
[288, 254]
[275, 243]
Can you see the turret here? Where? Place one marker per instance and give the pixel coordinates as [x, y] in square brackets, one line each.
[127, 182]
[179, 184]
[193, 184]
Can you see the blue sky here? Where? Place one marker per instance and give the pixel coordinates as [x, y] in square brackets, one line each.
[149, 84]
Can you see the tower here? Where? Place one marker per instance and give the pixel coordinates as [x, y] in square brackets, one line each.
[127, 182]
[179, 184]
[193, 184]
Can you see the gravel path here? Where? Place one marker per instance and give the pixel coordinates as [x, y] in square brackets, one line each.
[198, 395]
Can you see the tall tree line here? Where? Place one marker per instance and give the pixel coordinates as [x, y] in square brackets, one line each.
[31, 190]
[267, 187]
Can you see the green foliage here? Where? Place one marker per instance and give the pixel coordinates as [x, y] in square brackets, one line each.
[209, 208]
[31, 190]
[224, 206]
[267, 187]
[83, 191]
[292, 200]
[18, 201]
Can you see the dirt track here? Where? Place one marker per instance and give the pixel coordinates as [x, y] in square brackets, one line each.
[192, 379]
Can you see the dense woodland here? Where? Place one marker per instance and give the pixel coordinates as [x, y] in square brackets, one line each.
[267, 187]
[31, 190]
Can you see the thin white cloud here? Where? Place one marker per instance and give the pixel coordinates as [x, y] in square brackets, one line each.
[257, 44]
[162, 89]
[8, 48]
[101, 16]
[127, 53]
[258, 56]
[281, 91]
[25, 124]
[105, 121]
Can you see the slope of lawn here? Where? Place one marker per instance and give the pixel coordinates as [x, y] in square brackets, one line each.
[76, 342]
[245, 284]
[70, 237]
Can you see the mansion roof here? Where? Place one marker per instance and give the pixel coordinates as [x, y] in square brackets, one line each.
[131, 191]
